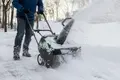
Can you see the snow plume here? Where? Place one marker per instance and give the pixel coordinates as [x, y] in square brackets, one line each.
[100, 11]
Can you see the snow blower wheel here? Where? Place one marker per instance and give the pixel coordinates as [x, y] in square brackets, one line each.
[40, 60]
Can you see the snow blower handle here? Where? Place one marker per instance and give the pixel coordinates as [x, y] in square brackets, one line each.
[31, 28]
[48, 24]
[65, 21]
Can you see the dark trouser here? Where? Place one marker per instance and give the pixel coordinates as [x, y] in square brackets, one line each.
[23, 28]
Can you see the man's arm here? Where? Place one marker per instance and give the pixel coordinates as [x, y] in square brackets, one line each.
[40, 6]
[17, 5]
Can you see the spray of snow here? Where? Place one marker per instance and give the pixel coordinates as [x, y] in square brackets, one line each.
[100, 11]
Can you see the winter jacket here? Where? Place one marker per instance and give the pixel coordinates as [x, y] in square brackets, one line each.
[30, 5]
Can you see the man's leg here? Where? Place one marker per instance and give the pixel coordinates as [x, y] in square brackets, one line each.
[28, 35]
[19, 37]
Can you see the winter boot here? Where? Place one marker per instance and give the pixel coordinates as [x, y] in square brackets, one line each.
[16, 53]
[26, 53]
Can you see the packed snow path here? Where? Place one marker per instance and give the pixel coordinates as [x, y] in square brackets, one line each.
[92, 65]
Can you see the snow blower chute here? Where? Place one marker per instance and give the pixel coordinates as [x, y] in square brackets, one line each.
[51, 47]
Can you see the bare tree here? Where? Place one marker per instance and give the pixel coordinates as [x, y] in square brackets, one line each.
[57, 7]
[0, 12]
[12, 13]
[49, 9]
[6, 7]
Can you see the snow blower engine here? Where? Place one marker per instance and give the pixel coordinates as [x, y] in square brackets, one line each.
[51, 47]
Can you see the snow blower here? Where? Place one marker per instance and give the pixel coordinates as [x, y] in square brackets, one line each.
[51, 47]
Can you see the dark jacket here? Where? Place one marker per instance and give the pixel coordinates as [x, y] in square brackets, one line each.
[27, 4]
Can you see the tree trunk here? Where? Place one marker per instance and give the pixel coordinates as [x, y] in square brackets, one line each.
[3, 17]
[37, 18]
[8, 18]
[5, 22]
[56, 12]
[0, 13]
[12, 13]
[57, 6]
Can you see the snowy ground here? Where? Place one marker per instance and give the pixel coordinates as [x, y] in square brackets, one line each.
[100, 56]
[98, 60]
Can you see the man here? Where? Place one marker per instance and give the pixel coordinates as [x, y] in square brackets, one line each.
[25, 7]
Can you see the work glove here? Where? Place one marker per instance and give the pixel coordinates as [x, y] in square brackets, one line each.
[26, 11]
[40, 12]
